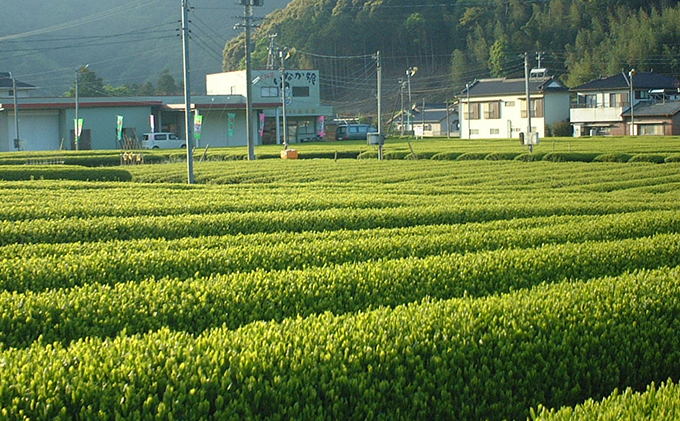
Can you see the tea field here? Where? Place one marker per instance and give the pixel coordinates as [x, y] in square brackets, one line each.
[342, 290]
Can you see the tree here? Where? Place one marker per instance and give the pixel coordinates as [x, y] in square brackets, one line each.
[498, 57]
[459, 66]
[166, 84]
[89, 84]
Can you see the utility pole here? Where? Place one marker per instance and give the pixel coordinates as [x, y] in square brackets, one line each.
[16, 112]
[527, 139]
[539, 58]
[467, 117]
[187, 94]
[247, 18]
[271, 57]
[283, 98]
[379, 70]
[401, 92]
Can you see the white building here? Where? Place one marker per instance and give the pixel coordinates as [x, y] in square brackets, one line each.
[497, 108]
[305, 114]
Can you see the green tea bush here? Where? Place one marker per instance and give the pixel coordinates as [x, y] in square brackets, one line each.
[492, 358]
[672, 158]
[569, 157]
[655, 403]
[613, 157]
[650, 158]
[472, 156]
[502, 156]
[446, 156]
[62, 172]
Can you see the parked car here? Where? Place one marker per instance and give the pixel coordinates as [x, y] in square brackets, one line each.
[354, 131]
[162, 140]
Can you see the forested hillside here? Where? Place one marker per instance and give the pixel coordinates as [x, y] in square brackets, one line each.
[123, 41]
[454, 42]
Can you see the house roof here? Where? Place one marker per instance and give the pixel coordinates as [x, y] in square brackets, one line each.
[6, 82]
[515, 86]
[666, 109]
[641, 80]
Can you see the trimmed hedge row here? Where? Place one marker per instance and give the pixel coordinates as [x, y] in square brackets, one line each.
[62, 172]
[194, 305]
[105, 228]
[42, 266]
[468, 359]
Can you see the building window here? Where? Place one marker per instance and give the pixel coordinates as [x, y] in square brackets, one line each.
[495, 131]
[651, 129]
[474, 131]
[587, 101]
[509, 103]
[300, 91]
[536, 108]
[269, 92]
[492, 110]
[618, 100]
[473, 111]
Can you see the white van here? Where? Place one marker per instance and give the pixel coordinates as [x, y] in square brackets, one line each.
[162, 140]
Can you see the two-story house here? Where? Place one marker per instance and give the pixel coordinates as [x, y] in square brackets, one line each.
[603, 106]
[497, 108]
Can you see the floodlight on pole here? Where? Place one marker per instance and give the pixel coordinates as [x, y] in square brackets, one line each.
[411, 71]
[632, 73]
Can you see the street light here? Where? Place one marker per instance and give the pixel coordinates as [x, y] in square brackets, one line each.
[631, 73]
[410, 72]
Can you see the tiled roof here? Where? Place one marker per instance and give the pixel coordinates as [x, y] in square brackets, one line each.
[6, 82]
[642, 80]
[505, 86]
[667, 109]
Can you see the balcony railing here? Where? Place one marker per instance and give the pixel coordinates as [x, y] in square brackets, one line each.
[622, 104]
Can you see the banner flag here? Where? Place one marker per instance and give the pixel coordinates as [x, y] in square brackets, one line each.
[119, 127]
[152, 121]
[262, 124]
[321, 125]
[78, 129]
[198, 122]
